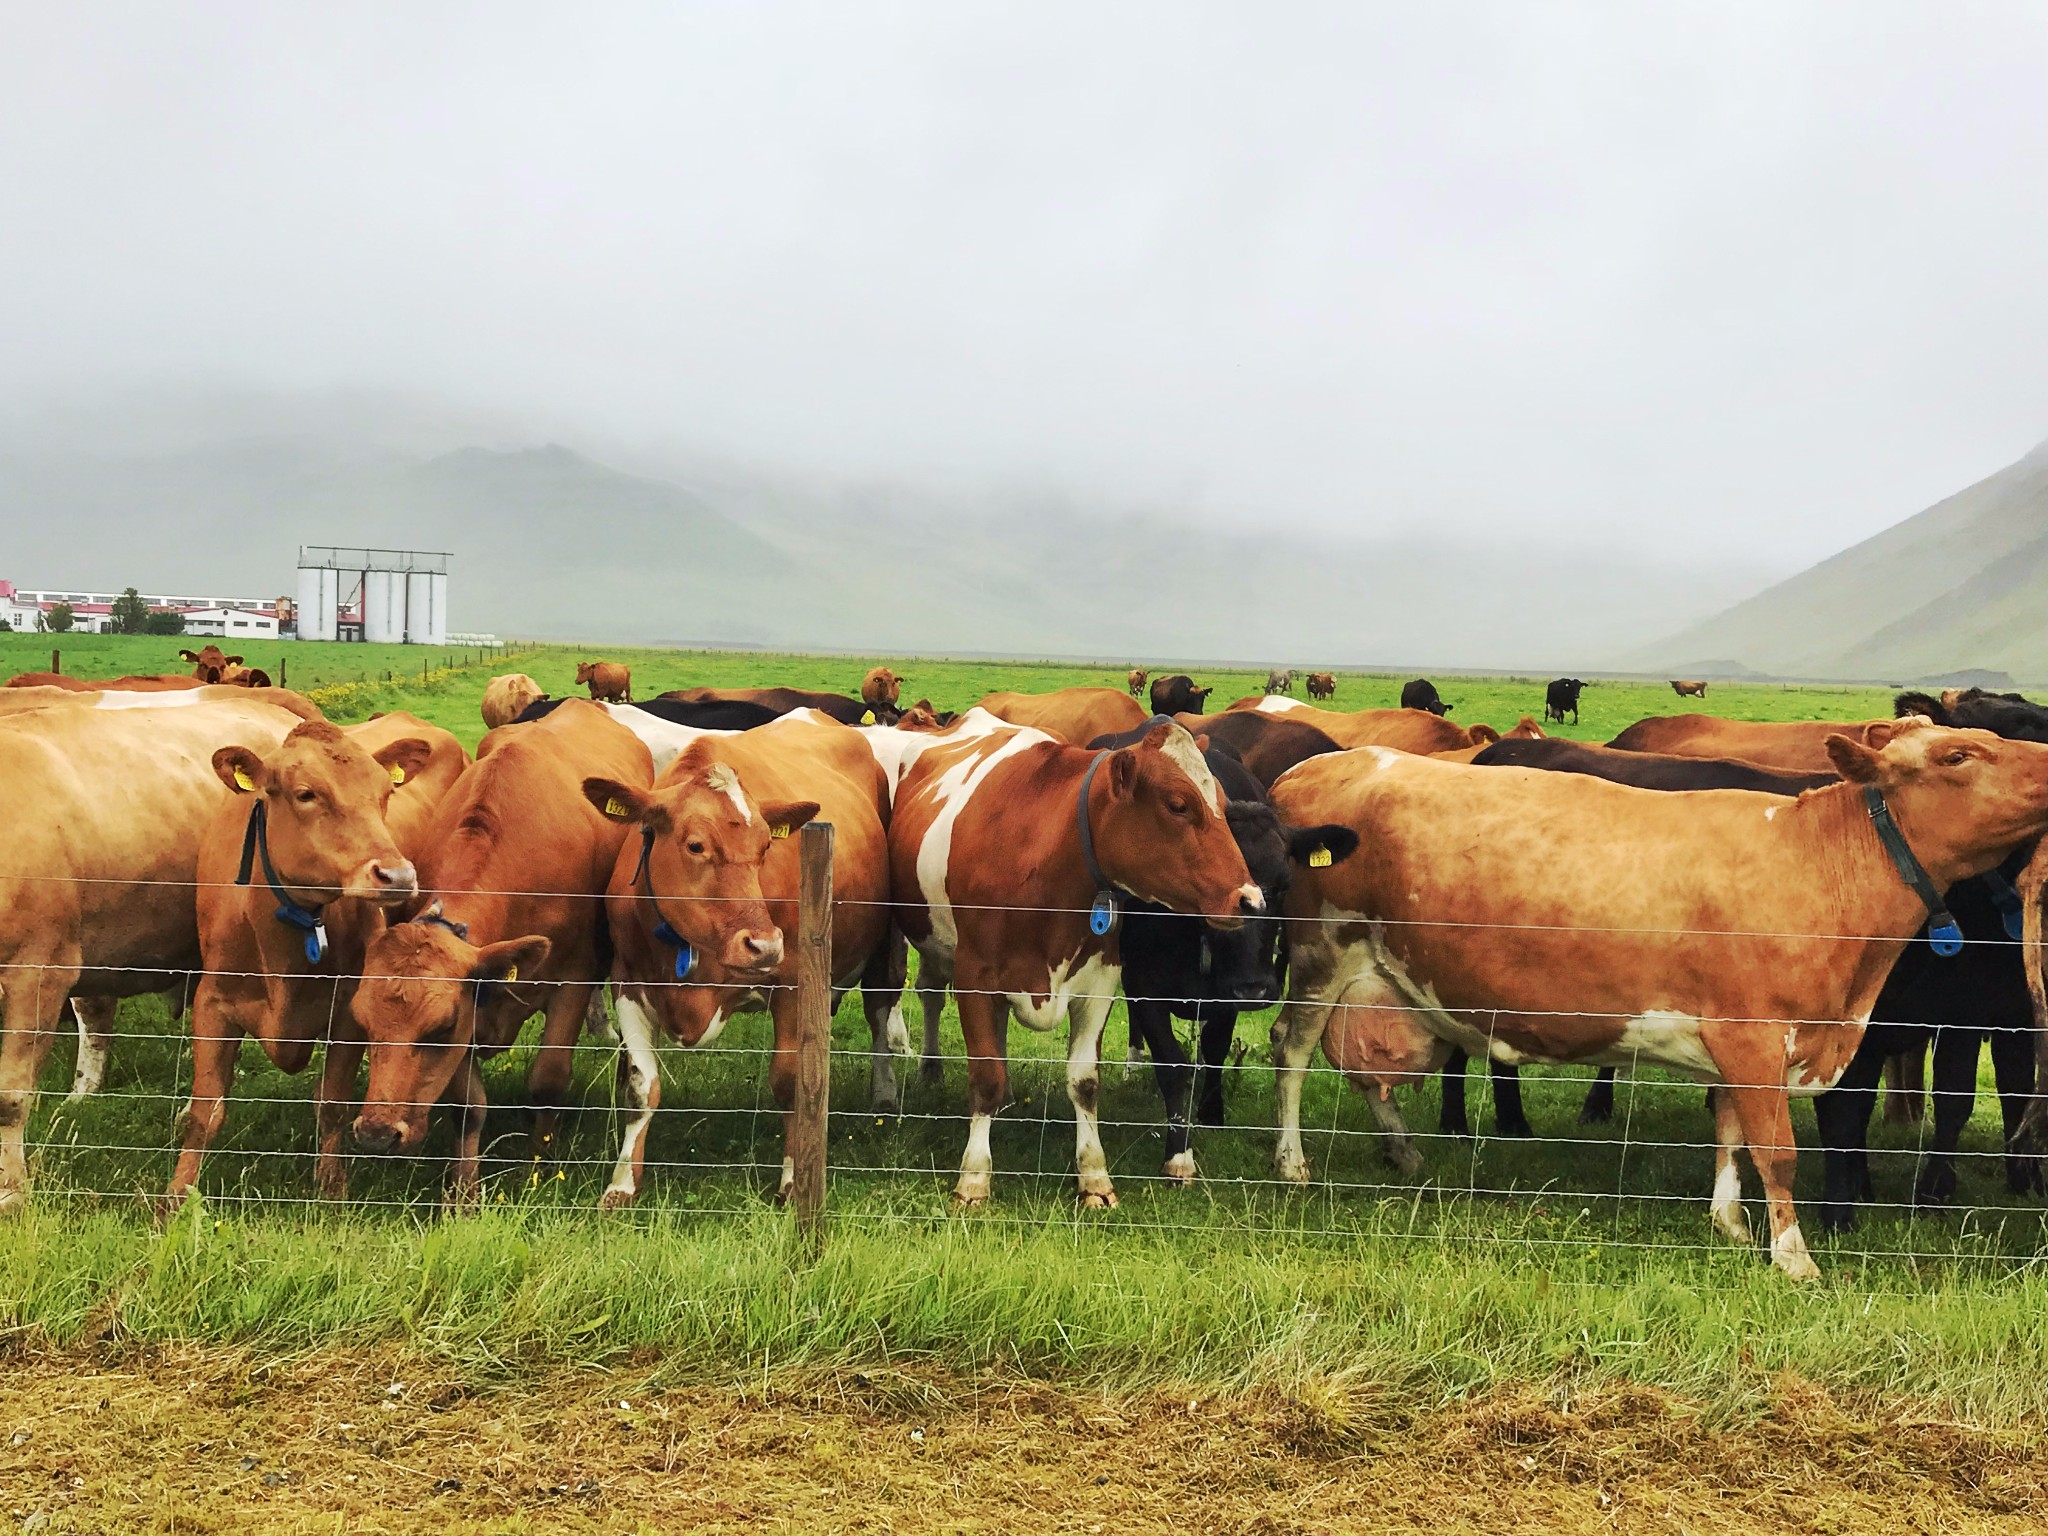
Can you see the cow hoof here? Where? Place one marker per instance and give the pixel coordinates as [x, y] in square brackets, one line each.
[1519, 1129]
[465, 1201]
[1098, 1199]
[1179, 1169]
[1595, 1114]
[1733, 1225]
[964, 1203]
[1838, 1218]
[889, 1108]
[1937, 1191]
[1796, 1266]
[615, 1199]
[13, 1198]
[1293, 1169]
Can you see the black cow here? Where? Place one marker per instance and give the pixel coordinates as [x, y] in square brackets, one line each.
[847, 711]
[1561, 695]
[1422, 694]
[1178, 695]
[1268, 745]
[716, 715]
[1179, 967]
[2004, 714]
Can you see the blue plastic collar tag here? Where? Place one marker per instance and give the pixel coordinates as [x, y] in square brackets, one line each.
[686, 957]
[2015, 925]
[1946, 937]
[1102, 915]
[316, 944]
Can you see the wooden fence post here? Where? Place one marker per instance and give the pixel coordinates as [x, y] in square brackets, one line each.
[57, 662]
[806, 1149]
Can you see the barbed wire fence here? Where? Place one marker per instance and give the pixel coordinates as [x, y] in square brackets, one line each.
[1640, 1184]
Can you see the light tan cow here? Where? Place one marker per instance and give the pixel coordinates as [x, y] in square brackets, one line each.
[1076, 715]
[880, 689]
[1696, 689]
[105, 814]
[1406, 730]
[507, 697]
[1730, 936]
[608, 681]
[1790, 746]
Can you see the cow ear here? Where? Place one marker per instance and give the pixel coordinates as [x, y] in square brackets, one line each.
[1481, 735]
[785, 816]
[1123, 770]
[510, 959]
[1853, 760]
[189, 655]
[404, 759]
[231, 661]
[239, 768]
[620, 802]
[1320, 847]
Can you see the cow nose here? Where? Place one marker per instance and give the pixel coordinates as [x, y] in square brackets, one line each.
[763, 950]
[1250, 899]
[400, 878]
[376, 1136]
[1259, 994]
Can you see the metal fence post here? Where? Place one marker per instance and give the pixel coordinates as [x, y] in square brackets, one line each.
[814, 1030]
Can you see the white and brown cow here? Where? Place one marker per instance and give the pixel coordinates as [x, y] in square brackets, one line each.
[1730, 936]
[993, 887]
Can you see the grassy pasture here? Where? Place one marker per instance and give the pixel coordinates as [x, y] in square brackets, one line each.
[1578, 1260]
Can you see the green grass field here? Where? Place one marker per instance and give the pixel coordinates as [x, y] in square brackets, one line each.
[1581, 1257]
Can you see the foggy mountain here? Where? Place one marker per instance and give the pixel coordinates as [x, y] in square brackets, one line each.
[561, 542]
[1963, 584]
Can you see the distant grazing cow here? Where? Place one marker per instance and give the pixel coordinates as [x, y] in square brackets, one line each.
[1322, 685]
[1178, 695]
[1422, 694]
[1175, 967]
[1793, 746]
[508, 697]
[1692, 690]
[994, 889]
[1280, 682]
[1136, 682]
[1562, 695]
[1072, 714]
[607, 680]
[879, 690]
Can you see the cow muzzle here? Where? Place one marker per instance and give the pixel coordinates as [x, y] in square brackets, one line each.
[755, 949]
[380, 1136]
[1247, 901]
[387, 882]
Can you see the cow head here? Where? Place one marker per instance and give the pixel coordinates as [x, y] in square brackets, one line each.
[1963, 798]
[423, 983]
[324, 799]
[586, 672]
[209, 665]
[1157, 814]
[1244, 964]
[705, 839]
[881, 688]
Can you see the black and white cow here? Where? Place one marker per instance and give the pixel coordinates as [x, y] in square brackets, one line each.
[1175, 967]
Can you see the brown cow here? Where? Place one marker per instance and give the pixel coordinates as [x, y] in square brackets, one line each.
[105, 813]
[110, 696]
[1407, 730]
[1692, 690]
[994, 888]
[705, 892]
[133, 683]
[1484, 736]
[1737, 938]
[1072, 714]
[296, 873]
[1322, 685]
[412, 815]
[1135, 681]
[880, 689]
[1791, 746]
[209, 665]
[517, 862]
[610, 681]
[509, 696]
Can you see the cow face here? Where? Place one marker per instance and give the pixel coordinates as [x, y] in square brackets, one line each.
[417, 1004]
[324, 802]
[1160, 831]
[1243, 965]
[209, 665]
[882, 688]
[1963, 798]
[706, 839]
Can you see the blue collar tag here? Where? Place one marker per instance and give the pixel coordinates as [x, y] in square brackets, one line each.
[1102, 914]
[1945, 937]
[686, 957]
[2011, 910]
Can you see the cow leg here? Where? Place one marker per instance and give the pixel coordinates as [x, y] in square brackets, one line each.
[597, 1019]
[931, 997]
[1725, 1209]
[1905, 1084]
[1599, 1106]
[32, 1009]
[1152, 1022]
[1219, 1034]
[881, 1000]
[1451, 1118]
[640, 1078]
[1843, 1114]
[216, 1041]
[1508, 1117]
[1086, 1017]
[333, 1111]
[2012, 1068]
[1298, 1031]
[1955, 1098]
[982, 1017]
[547, 1080]
[466, 1095]
[1397, 1146]
[1765, 1114]
[95, 1017]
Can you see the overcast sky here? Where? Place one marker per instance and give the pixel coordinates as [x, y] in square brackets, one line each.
[1718, 279]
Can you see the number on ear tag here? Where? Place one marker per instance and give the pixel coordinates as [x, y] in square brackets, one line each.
[1319, 859]
[397, 773]
[780, 829]
[616, 807]
[243, 781]
[511, 973]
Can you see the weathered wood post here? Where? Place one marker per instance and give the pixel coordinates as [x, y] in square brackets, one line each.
[814, 1030]
[57, 661]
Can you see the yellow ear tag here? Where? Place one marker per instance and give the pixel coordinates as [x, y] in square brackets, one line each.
[397, 774]
[868, 717]
[1320, 859]
[780, 829]
[243, 781]
[615, 807]
[511, 973]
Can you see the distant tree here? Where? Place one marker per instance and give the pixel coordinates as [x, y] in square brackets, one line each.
[166, 623]
[130, 613]
[6, 626]
[59, 618]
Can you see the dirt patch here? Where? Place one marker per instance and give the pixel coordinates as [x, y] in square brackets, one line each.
[207, 1441]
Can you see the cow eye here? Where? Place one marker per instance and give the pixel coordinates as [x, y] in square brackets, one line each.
[696, 846]
[306, 797]
[1176, 805]
[445, 1035]
[1957, 757]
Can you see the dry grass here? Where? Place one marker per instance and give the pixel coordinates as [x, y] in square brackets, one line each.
[212, 1441]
